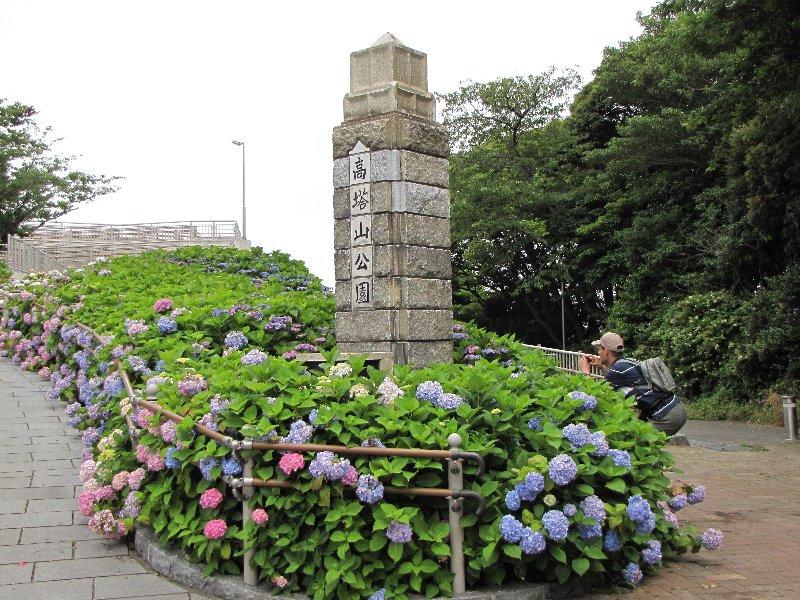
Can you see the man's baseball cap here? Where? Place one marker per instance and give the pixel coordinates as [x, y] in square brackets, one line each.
[610, 340]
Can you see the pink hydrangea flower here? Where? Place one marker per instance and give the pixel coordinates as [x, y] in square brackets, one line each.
[215, 529]
[142, 453]
[88, 469]
[351, 476]
[105, 523]
[291, 462]
[142, 417]
[259, 516]
[280, 581]
[105, 492]
[163, 305]
[135, 479]
[44, 373]
[120, 480]
[155, 463]
[86, 502]
[211, 498]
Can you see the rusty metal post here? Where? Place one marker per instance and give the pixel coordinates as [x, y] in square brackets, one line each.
[250, 573]
[455, 481]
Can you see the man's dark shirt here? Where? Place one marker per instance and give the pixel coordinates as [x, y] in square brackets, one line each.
[626, 375]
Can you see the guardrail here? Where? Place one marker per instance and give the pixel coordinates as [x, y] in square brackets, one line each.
[27, 258]
[568, 360]
[76, 244]
[454, 493]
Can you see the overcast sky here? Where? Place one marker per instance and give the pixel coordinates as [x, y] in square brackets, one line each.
[155, 91]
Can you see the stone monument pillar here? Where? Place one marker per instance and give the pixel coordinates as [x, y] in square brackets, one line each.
[392, 211]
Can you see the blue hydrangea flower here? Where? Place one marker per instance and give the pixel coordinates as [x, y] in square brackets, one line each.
[429, 391]
[632, 574]
[379, 595]
[589, 401]
[611, 541]
[638, 510]
[711, 539]
[513, 501]
[530, 487]
[170, 461]
[448, 401]
[231, 466]
[647, 525]
[166, 325]
[206, 465]
[511, 529]
[569, 510]
[651, 554]
[532, 542]
[588, 532]
[577, 434]
[300, 432]
[535, 424]
[369, 489]
[373, 443]
[598, 440]
[593, 508]
[556, 525]
[621, 458]
[562, 469]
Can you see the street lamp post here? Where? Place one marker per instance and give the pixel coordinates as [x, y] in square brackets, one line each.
[244, 208]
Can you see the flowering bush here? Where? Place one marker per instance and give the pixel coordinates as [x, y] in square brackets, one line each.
[575, 484]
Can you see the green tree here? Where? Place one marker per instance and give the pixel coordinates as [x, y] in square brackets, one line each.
[37, 185]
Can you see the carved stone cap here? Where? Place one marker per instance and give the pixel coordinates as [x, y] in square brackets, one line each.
[387, 77]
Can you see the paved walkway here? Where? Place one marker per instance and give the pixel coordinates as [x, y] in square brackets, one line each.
[46, 549]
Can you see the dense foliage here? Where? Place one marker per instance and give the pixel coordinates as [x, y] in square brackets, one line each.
[576, 485]
[36, 184]
[5, 272]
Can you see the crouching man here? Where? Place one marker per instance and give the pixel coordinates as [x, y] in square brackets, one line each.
[663, 409]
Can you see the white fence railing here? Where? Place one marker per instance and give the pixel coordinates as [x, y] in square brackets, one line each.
[76, 244]
[568, 361]
[27, 258]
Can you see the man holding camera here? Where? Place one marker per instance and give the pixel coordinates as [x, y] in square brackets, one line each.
[662, 408]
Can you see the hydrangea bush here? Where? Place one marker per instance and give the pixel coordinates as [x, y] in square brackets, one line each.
[576, 485]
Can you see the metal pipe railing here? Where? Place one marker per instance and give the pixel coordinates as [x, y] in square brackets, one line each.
[568, 360]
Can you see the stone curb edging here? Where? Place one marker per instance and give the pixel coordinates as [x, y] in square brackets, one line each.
[170, 563]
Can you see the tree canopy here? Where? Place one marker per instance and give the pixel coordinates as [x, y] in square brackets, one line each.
[36, 184]
[673, 179]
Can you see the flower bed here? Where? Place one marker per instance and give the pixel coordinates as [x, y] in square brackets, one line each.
[575, 483]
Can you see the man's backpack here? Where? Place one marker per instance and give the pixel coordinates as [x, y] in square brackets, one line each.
[657, 375]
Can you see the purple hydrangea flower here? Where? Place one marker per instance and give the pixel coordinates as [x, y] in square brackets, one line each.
[373, 443]
[535, 424]
[556, 525]
[399, 533]
[170, 461]
[236, 340]
[621, 458]
[532, 542]
[611, 541]
[562, 469]
[300, 432]
[429, 391]
[379, 595]
[191, 385]
[698, 495]
[632, 574]
[510, 529]
[651, 554]
[217, 405]
[677, 502]
[569, 510]
[369, 490]
[254, 357]
[711, 539]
